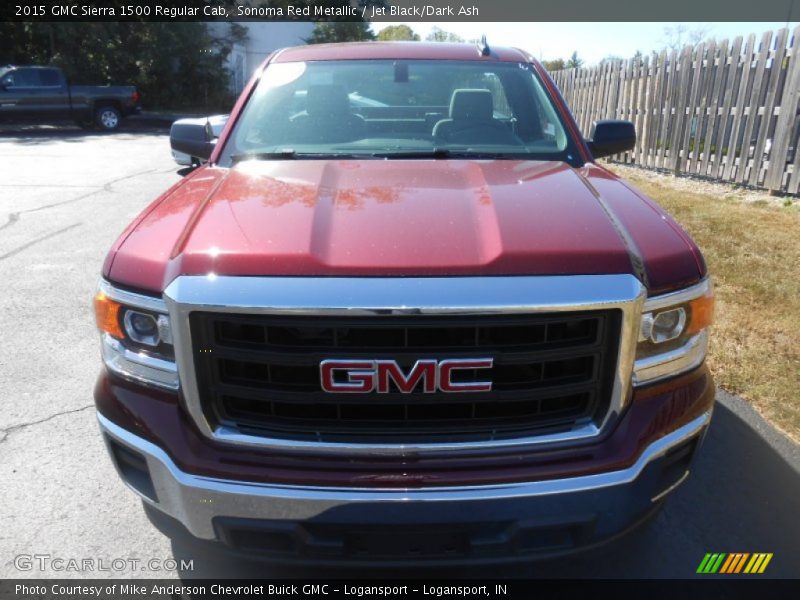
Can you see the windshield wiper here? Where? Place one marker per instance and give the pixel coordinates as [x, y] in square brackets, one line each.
[441, 153]
[281, 154]
[432, 153]
[290, 154]
[436, 153]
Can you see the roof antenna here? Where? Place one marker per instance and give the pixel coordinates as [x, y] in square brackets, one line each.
[483, 46]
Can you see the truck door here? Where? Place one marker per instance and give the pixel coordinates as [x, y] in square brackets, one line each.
[25, 95]
[14, 98]
[54, 101]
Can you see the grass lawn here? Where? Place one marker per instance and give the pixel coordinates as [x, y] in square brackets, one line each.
[753, 254]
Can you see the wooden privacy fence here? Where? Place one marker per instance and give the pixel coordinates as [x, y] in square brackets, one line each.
[725, 111]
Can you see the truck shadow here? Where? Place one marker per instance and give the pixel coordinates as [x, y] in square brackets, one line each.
[741, 497]
[32, 135]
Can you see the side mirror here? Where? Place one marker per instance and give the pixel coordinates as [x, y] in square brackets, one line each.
[192, 137]
[611, 137]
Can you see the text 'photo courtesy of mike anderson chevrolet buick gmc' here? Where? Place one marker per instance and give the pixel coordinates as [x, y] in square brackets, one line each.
[421, 327]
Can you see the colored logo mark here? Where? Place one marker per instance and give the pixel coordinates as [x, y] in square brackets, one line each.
[736, 562]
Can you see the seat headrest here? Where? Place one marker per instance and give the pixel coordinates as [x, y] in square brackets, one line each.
[471, 104]
[324, 100]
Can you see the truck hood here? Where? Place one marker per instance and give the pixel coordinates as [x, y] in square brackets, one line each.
[403, 218]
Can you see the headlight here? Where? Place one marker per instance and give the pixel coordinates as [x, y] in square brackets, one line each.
[136, 336]
[663, 326]
[673, 336]
[146, 328]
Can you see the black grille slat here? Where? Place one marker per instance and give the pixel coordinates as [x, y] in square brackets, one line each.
[433, 341]
[450, 414]
[415, 398]
[404, 358]
[305, 379]
[261, 374]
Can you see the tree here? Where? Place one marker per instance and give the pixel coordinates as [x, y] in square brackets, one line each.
[554, 65]
[675, 38]
[340, 31]
[398, 33]
[440, 35]
[611, 58]
[574, 62]
[174, 65]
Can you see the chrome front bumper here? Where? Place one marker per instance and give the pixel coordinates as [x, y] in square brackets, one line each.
[196, 501]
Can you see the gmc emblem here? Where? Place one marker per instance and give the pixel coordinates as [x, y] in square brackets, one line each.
[366, 376]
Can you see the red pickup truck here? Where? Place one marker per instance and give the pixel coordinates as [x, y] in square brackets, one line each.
[425, 326]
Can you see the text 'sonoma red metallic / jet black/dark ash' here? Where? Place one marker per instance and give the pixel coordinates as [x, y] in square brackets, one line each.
[401, 315]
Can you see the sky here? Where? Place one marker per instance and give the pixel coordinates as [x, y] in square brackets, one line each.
[592, 41]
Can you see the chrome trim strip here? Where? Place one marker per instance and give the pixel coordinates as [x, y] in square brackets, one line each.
[234, 436]
[668, 364]
[132, 299]
[679, 297]
[138, 366]
[381, 296]
[671, 488]
[195, 500]
[378, 296]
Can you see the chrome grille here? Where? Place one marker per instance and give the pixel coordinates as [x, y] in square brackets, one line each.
[260, 374]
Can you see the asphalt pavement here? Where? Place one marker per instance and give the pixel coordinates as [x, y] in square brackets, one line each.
[65, 195]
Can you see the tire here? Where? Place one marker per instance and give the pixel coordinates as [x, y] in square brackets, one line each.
[107, 118]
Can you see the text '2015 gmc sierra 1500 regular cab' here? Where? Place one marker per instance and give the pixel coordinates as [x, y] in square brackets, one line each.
[422, 327]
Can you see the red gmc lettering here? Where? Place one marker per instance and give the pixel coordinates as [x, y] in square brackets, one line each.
[446, 368]
[360, 376]
[368, 376]
[422, 369]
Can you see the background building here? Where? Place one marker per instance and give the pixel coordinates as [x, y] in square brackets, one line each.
[262, 38]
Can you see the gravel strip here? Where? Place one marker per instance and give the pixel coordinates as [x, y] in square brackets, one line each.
[699, 185]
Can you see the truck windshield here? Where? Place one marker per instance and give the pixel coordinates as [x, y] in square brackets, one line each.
[398, 109]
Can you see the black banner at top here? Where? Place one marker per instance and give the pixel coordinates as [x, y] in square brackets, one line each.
[400, 10]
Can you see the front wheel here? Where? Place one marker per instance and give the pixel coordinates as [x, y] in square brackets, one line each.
[107, 118]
